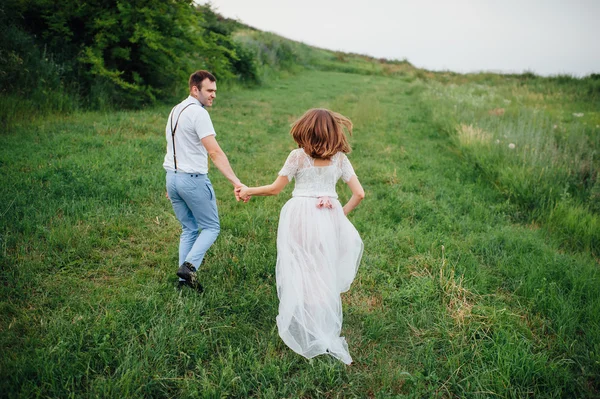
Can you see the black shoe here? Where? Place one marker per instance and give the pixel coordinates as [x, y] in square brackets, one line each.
[187, 271]
[198, 287]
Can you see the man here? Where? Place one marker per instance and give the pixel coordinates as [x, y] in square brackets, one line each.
[190, 141]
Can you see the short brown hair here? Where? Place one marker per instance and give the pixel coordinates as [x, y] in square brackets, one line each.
[320, 132]
[198, 77]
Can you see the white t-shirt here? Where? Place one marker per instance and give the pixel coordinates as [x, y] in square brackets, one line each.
[194, 125]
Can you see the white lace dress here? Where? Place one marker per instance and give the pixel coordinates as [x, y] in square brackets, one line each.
[318, 253]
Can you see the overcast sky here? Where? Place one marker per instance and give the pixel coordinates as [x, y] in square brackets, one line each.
[547, 37]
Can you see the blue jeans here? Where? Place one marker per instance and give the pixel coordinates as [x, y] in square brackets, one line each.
[195, 205]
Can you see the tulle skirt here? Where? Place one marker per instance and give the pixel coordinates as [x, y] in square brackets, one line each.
[318, 253]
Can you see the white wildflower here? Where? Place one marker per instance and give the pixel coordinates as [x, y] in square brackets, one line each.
[497, 141]
[578, 114]
[554, 127]
[511, 146]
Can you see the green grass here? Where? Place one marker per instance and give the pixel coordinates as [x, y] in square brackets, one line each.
[457, 295]
[538, 143]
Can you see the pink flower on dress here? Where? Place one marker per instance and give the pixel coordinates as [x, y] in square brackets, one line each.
[324, 202]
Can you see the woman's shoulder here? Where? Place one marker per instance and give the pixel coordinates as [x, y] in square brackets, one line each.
[297, 153]
[339, 156]
[295, 156]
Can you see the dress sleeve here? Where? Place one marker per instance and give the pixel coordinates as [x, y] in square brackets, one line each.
[347, 169]
[292, 163]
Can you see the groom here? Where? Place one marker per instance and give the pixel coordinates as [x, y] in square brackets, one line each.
[190, 141]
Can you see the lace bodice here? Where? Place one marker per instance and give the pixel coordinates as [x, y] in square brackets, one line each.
[316, 181]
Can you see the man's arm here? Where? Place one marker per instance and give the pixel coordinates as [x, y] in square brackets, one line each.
[220, 160]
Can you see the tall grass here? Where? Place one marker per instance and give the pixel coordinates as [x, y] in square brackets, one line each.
[540, 152]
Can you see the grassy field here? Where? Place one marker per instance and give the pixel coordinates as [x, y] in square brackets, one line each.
[464, 290]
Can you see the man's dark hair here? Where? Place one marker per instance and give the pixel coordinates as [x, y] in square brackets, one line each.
[197, 77]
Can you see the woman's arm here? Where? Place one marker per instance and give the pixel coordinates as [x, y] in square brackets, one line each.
[271, 189]
[357, 194]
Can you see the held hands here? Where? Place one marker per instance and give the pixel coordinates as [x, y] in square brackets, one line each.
[238, 190]
[242, 193]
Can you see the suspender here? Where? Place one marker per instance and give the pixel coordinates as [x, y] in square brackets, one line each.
[173, 131]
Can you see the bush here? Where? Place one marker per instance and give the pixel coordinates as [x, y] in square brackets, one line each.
[32, 81]
[108, 54]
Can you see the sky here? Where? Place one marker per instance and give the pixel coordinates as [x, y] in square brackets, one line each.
[547, 37]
